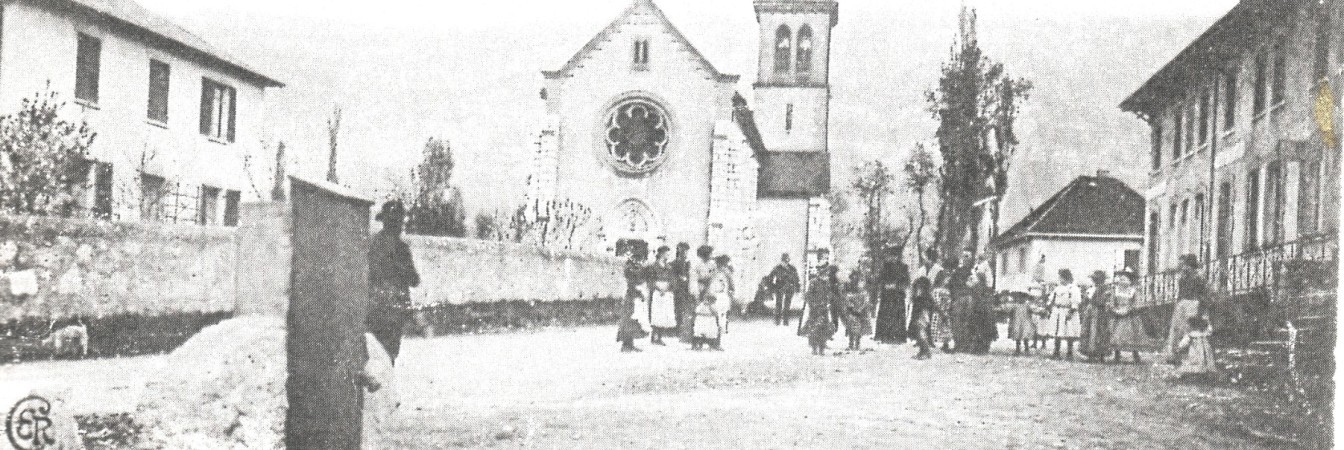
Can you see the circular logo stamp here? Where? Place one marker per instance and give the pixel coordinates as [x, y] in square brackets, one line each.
[28, 425]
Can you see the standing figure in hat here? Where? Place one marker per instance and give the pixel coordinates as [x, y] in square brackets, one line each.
[1127, 332]
[895, 278]
[784, 284]
[391, 276]
[1192, 292]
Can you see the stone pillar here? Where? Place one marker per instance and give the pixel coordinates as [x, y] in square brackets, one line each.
[264, 259]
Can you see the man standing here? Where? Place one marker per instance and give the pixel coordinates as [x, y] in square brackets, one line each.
[784, 283]
[681, 266]
[391, 276]
[895, 277]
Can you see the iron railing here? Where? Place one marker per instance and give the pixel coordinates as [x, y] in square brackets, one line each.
[1247, 272]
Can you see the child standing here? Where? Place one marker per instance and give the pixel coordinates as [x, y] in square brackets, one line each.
[706, 328]
[857, 310]
[1021, 324]
[1198, 361]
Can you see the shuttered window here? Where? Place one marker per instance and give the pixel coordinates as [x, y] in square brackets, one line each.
[218, 110]
[158, 91]
[87, 60]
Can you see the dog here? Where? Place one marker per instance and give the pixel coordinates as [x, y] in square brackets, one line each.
[74, 336]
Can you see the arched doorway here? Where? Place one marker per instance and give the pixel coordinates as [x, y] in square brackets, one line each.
[631, 224]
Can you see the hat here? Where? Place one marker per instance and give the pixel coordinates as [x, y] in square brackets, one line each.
[392, 211]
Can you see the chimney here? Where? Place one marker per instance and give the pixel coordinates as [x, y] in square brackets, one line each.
[1103, 173]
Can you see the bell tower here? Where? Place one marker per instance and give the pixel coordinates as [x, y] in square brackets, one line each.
[792, 88]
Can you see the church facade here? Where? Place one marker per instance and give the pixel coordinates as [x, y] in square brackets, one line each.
[661, 146]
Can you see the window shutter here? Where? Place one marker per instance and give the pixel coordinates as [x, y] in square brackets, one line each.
[88, 50]
[233, 110]
[207, 106]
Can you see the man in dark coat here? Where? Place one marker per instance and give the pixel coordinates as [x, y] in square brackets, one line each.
[784, 283]
[894, 279]
[391, 276]
[681, 268]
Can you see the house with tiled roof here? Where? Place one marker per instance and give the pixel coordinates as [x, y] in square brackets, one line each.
[1094, 223]
[175, 116]
[649, 134]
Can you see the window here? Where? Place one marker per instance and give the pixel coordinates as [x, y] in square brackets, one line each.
[102, 190]
[1022, 260]
[641, 54]
[1309, 199]
[1321, 67]
[1197, 235]
[783, 48]
[1190, 117]
[1204, 114]
[1154, 222]
[805, 49]
[1131, 260]
[1280, 73]
[1261, 69]
[208, 211]
[788, 117]
[1157, 146]
[89, 54]
[1274, 203]
[1253, 209]
[1176, 137]
[153, 189]
[636, 136]
[1224, 239]
[217, 110]
[158, 91]
[1229, 100]
[231, 199]
[1003, 262]
[1323, 47]
[1183, 233]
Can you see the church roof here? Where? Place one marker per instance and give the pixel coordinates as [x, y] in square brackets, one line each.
[1098, 206]
[794, 174]
[638, 6]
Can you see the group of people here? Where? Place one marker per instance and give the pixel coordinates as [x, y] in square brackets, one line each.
[1100, 319]
[671, 297]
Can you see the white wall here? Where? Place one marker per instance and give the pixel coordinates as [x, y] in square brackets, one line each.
[38, 49]
[1082, 257]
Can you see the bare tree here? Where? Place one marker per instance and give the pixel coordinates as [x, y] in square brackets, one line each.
[333, 135]
[920, 172]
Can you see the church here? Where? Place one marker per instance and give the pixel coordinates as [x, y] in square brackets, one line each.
[660, 145]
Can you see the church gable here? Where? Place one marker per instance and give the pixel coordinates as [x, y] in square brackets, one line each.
[638, 14]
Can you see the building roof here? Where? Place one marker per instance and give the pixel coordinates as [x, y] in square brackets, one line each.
[1241, 29]
[138, 20]
[794, 174]
[638, 6]
[1089, 206]
[799, 6]
[746, 121]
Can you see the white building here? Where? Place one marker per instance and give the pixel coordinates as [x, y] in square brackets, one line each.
[1094, 223]
[650, 135]
[174, 116]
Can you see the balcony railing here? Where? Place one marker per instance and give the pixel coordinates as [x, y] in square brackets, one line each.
[1246, 272]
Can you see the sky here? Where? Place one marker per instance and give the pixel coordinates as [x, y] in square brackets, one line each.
[406, 70]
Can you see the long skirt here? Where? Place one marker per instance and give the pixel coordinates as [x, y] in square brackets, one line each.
[1198, 357]
[963, 329]
[891, 316]
[940, 321]
[706, 323]
[1180, 317]
[663, 310]
[1127, 334]
[1096, 339]
[1022, 323]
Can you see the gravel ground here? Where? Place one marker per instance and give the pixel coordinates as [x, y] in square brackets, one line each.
[572, 388]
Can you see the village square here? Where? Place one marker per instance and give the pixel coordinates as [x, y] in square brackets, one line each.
[658, 223]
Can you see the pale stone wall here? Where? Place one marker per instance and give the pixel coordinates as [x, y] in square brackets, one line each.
[97, 268]
[454, 270]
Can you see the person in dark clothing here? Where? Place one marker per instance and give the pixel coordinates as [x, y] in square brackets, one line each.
[391, 276]
[685, 305]
[922, 315]
[894, 279]
[634, 310]
[784, 284]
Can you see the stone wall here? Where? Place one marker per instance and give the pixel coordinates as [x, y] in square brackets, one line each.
[458, 271]
[96, 268]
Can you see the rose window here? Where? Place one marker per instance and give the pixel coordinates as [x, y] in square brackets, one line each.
[636, 136]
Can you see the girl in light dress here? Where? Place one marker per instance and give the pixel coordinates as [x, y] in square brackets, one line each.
[1196, 360]
[1065, 321]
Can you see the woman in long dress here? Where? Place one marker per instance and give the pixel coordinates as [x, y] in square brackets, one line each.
[720, 289]
[635, 305]
[1064, 320]
[940, 320]
[662, 297]
[983, 327]
[1192, 292]
[819, 326]
[1096, 337]
[1127, 332]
